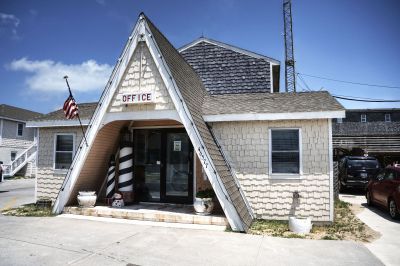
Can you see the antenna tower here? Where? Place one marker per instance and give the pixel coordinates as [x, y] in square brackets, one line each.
[290, 74]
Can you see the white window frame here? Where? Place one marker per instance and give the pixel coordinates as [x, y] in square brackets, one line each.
[285, 175]
[363, 118]
[18, 135]
[388, 118]
[55, 146]
[339, 120]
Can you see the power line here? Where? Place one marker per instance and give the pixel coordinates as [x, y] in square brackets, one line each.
[364, 100]
[304, 82]
[351, 82]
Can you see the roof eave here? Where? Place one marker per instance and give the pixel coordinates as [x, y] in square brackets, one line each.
[275, 116]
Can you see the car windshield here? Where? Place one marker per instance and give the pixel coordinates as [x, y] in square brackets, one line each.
[364, 163]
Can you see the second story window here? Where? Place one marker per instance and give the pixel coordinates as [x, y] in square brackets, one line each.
[388, 118]
[363, 118]
[20, 129]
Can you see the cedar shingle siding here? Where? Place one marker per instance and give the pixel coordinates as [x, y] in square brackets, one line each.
[225, 71]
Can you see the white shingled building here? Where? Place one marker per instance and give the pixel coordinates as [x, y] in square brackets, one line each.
[206, 115]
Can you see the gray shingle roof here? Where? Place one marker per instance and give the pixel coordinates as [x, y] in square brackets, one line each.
[17, 113]
[224, 70]
[86, 111]
[193, 93]
[270, 103]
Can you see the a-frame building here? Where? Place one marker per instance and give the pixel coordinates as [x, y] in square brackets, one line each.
[178, 95]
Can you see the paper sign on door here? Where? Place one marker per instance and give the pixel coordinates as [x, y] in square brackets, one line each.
[177, 145]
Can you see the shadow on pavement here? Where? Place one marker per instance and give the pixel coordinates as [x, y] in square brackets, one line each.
[381, 212]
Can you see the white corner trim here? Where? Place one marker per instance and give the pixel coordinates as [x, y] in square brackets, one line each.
[142, 115]
[274, 116]
[330, 154]
[229, 47]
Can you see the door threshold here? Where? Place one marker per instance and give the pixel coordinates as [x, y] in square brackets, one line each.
[164, 204]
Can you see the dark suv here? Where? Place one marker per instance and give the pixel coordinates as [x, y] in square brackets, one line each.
[356, 171]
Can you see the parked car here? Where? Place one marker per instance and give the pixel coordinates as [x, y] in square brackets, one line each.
[356, 171]
[384, 190]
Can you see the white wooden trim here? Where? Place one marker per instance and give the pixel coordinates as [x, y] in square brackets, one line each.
[141, 116]
[98, 116]
[37, 163]
[274, 116]
[271, 78]
[156, 127]
[1, 131]
[12, 119]
[57, 123]
[330, 154]
[230, 47]
[284, 175]
[55, 146]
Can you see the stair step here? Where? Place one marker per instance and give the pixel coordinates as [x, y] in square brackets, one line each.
[148, 215]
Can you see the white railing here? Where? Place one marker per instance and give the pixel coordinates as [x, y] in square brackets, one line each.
[21, 160]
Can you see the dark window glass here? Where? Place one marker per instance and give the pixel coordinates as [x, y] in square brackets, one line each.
[285, 151]
[65, 143]
[64, 151]
[20, 130]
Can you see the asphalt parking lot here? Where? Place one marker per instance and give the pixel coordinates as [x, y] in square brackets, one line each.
[14, 193]
[387, 247]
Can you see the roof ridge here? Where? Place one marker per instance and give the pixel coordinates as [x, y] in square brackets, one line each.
[228, 46]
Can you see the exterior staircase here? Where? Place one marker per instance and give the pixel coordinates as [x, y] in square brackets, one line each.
[27, 157]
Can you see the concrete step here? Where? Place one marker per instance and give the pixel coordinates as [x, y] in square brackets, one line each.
[146, 213]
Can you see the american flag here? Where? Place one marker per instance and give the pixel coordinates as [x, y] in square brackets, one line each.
[70, 108]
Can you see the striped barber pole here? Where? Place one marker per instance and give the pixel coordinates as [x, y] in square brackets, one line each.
[125, 179]
[111, 178]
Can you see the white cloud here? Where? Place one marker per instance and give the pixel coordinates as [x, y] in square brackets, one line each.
[9, 22]
[47, 75]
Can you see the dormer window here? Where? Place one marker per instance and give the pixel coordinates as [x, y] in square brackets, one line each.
[363, 118]
[388, 118]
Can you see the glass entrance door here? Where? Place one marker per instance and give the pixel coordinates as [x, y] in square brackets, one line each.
[163, 170]
[178, 167]
[147, 157]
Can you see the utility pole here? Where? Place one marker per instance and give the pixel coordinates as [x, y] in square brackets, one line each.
[290, 73]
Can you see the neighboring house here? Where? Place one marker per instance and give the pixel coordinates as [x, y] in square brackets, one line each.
[17, 141]
[375, 131]
[208, 115]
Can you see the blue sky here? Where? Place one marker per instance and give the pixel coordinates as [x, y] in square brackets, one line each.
[40, 41]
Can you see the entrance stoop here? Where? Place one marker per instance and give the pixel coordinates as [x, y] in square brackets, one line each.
[171, 213]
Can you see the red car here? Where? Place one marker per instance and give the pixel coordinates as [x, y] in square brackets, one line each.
[384, 190]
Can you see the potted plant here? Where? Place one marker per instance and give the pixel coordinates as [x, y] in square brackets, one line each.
[203, 204]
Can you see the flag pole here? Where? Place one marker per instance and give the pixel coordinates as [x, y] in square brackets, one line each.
[80, 122]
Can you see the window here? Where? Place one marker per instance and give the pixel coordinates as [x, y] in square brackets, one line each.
[285, 151]
[363, 118]
[20, 129]
[63, 151]
[339, 120]
[388, 118]
[13, 155]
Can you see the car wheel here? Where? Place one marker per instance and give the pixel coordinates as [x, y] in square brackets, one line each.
[393, 209]
[368, 196]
